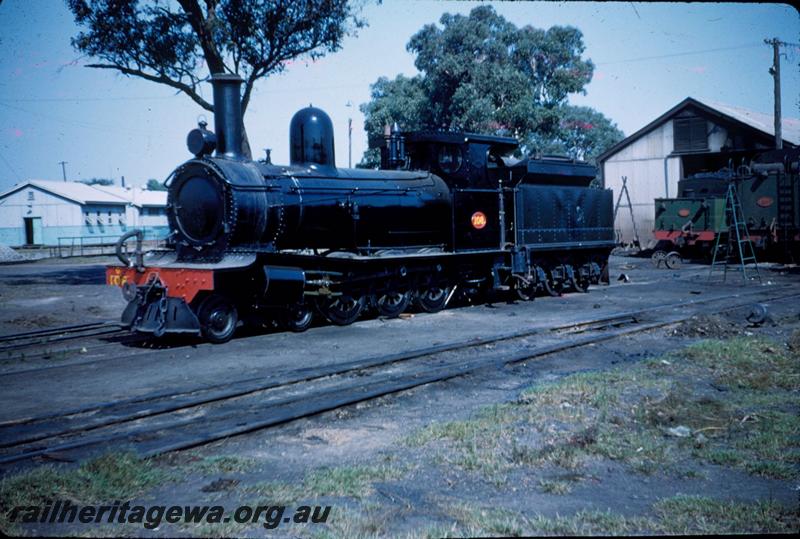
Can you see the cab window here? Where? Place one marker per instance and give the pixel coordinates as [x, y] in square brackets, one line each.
[449, 158]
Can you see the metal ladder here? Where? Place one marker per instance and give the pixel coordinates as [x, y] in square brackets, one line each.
[738, 239]
[624, 190]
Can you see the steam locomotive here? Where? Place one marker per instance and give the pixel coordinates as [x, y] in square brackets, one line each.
[768, 188]
[448, 214]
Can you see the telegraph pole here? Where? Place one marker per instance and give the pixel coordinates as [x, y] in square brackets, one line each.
[775, 71]
[63, 169]
[349, 138]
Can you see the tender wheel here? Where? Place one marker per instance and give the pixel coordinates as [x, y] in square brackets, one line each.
[433, 299]
[299, 319]
[580, 284]
[342, 310]
[658, 258]
[524, 290]
[392, 304]
[550, 285]
[673, 260]
[218, 319]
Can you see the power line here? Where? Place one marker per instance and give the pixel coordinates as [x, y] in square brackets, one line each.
[154, 98]
[687, 53]
[10, 167]
[81, 123]
[68, 99]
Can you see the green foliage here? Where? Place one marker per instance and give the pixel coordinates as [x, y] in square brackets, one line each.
[155, 185]
[98, 181]
[483, 74]
[175, 43]
[582, 133]
[115, 476]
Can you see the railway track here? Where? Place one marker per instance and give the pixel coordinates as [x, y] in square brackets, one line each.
[136, 344]
[169, 421]
[49, 336]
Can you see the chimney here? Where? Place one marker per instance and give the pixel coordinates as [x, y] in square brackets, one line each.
[228, 114]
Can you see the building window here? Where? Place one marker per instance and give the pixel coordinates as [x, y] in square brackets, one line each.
[30, 195]
[690, 134]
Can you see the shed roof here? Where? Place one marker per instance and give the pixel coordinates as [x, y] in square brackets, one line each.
[136, 195]
[82, 193]
[755, 121]
[74, 191]
[790, 127]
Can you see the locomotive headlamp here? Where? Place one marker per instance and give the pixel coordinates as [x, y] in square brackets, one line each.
[201, 141]
[478, 220]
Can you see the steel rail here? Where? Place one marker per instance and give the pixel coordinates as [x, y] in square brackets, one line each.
[133, 339]
[98, 331]
[351, 394]
[248, 385]
[52, 331]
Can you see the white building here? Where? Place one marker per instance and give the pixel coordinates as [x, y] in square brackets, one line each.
[694, 136]
[40, 212]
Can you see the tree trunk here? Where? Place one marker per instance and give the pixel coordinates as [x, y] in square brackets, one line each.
[245, 143]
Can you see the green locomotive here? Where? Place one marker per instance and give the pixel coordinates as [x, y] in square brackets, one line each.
[768, 189]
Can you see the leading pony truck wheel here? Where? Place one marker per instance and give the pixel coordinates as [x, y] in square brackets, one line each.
[218, 319]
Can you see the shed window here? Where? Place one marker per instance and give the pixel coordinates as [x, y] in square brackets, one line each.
[690, 134]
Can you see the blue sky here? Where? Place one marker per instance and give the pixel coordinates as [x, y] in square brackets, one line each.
[106, 125]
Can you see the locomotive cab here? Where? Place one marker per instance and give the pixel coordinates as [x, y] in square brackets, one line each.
[463, 160]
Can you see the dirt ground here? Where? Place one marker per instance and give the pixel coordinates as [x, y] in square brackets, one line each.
[692, 428]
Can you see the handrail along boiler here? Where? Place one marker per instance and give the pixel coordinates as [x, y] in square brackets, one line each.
[447, 214]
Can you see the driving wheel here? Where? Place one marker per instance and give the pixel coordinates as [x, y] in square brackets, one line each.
[342, 310]
[433, 299]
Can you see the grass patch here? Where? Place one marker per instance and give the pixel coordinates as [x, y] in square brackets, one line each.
[353, 481]
[748, 363]
[222, 529]
[474, 521]
[736, 399]
[223, 464]
[589, 523]
[676, 515]
[701, 515]
[115, 476]
[556, 486]
[494, 416]
[277, 493]
[370, 522]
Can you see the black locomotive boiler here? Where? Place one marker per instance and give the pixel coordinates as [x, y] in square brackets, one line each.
[447, 214]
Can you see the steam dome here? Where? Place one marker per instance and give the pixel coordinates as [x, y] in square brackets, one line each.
[311, 138]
